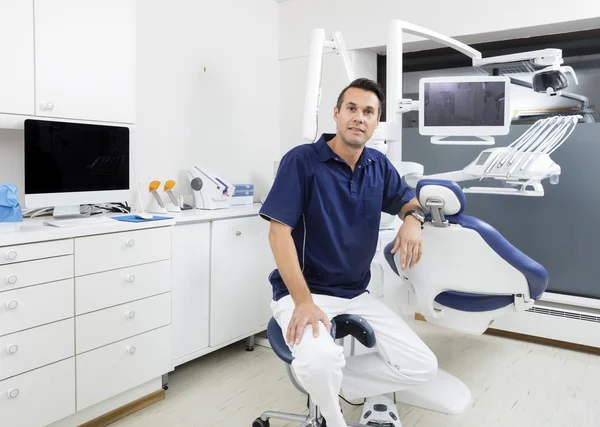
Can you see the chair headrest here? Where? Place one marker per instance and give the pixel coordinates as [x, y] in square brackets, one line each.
[450, 192]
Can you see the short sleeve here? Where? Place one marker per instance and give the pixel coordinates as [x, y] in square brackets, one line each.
[285, 202]
[396, 193]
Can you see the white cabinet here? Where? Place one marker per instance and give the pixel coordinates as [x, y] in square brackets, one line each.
[16, 57]
[240, 293]
[190, 291]
[84, 59]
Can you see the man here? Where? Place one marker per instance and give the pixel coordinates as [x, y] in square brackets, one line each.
[325, 208]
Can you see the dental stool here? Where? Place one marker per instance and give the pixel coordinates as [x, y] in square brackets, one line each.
[468, 276]
[341, 326]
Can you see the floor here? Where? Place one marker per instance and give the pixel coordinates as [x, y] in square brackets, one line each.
[513, 383]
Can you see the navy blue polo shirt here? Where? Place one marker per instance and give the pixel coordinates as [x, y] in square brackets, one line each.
[334, 214]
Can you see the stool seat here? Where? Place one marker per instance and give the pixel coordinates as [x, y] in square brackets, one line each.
[341, 326]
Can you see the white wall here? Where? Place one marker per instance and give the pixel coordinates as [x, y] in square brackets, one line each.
[226, 117]
[365, 24]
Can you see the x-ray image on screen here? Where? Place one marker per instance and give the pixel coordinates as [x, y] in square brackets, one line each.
[464, 103]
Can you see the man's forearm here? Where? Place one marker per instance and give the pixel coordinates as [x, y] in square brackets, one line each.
[411, 205]
[288, 265]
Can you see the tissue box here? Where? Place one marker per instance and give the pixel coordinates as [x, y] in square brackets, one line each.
[243, 195]
[11, 215]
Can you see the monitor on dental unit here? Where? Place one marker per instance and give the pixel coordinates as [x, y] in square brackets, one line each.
[477, 106]
[72, 164]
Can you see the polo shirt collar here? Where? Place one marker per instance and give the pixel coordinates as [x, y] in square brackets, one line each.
[326, 153]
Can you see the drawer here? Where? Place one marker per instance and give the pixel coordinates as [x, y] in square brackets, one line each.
[103, 327]
[36, 305]
[22, 274]
[19, 253]
[37, 347]
[95, 254]
[43, 396]
[101, 290]
[113, 369]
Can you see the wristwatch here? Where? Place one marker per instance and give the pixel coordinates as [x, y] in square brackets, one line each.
[417, 214]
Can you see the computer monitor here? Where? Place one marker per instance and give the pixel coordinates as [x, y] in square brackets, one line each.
[464, 106]
[72, 164]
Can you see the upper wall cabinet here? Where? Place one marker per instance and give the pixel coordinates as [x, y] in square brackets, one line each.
[16, 57]
[73, 59]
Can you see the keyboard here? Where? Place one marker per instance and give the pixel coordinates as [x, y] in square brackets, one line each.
[77, 222]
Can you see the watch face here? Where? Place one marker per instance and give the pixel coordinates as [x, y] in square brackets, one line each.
[419, 216]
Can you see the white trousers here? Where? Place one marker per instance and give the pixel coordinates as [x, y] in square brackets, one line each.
[402, 360]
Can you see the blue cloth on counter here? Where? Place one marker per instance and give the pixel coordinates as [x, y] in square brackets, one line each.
[10, 209]
[133, 218]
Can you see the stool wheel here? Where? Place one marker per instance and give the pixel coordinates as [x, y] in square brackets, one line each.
[260, 423]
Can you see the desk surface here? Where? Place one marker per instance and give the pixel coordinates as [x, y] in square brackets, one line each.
[34, 230]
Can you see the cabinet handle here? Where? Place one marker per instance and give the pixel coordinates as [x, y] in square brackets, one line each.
[12, 304]
[11, 279]
[131, 278]
[130, 349]
[238, 233]
[11, 255]
[131, 243]
[130, 314]
[49, 106]
[12, 348]
[13, 393]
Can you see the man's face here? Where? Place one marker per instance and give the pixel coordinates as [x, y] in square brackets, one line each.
[358, 117]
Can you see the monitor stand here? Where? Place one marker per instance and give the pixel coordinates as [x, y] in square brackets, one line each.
[67, 212]
[478, 140]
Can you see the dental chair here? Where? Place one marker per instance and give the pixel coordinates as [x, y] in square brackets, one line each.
[341, 326]
[469, 273]
[468, 276]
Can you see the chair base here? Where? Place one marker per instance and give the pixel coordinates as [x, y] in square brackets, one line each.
[313, 419]
[304, 420]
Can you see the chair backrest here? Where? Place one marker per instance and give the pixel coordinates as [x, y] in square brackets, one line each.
[466, 254]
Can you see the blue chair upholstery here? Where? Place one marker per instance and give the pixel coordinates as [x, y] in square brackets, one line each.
[535, 274]
[341, 326]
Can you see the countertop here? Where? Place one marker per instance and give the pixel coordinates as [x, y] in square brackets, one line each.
[34, 230]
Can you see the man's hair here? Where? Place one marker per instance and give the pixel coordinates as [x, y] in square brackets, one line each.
[364, 84]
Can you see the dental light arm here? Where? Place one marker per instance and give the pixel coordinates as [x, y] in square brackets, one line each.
[313, 81]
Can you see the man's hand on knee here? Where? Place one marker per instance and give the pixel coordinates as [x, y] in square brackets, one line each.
[305, 314]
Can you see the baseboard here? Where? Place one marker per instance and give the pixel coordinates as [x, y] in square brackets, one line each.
[534, 339]
[545, 341]
[126, 410]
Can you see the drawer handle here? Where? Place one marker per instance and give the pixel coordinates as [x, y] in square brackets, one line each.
[12, 304]
[130, 314]
[238, 233]
[11, 279]
[131, 278]
[12, 348]
[13, 393]
[130, 349]
[11, 255]
[131, 243]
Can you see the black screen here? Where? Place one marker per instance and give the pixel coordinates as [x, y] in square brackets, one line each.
[72, 157]
[464, 104]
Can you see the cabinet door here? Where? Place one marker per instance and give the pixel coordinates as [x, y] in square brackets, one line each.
[240, 293]
[16, 57]
[190, 289]
[84, 53]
